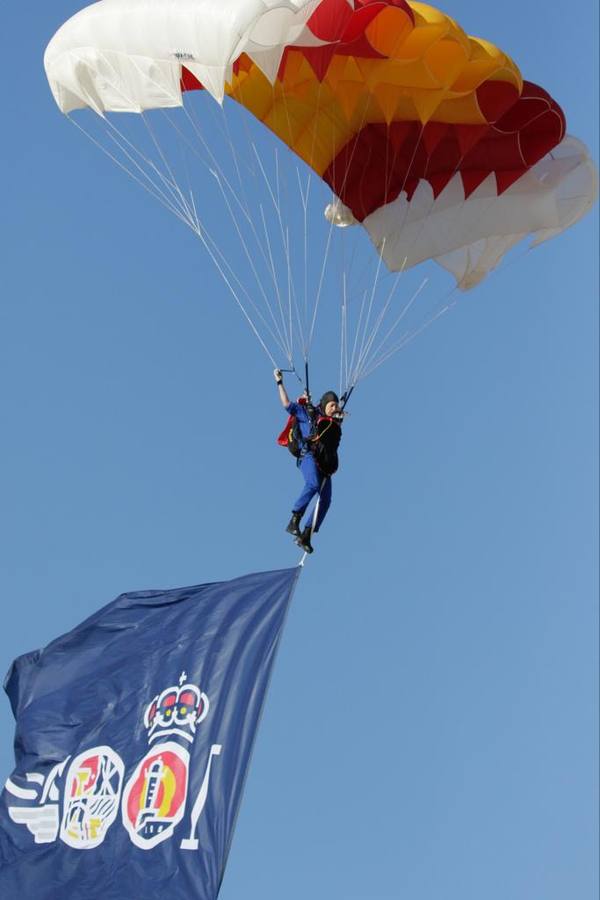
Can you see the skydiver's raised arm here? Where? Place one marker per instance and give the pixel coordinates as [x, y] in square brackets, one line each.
[285, 400]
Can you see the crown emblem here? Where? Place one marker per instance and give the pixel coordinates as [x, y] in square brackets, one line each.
[176, 711]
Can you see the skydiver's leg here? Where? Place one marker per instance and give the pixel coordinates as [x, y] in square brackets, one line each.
[312, 483]
[322, 485]
[324, 502]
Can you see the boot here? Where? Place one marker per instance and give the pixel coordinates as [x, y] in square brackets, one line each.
[293, 526]
[304, 540]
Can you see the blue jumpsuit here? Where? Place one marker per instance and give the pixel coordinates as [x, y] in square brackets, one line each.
[313, 479]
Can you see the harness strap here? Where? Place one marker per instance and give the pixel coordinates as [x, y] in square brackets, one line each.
[317, 437]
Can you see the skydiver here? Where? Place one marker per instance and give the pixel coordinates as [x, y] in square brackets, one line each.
[320, 435]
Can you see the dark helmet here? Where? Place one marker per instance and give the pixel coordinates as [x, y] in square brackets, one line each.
[328, 397]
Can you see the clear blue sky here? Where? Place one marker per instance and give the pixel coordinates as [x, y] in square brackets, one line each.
[432, 729]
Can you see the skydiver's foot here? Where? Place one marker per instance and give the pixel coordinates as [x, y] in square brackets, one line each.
[293, 526]
[304, 540]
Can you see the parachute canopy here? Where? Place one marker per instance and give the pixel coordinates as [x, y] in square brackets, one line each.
[424, 134]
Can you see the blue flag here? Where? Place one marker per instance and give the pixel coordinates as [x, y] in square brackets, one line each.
[133, 738]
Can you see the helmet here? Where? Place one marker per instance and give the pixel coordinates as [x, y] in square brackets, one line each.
[328, 397]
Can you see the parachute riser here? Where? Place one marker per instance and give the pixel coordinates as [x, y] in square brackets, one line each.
[345, 397]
